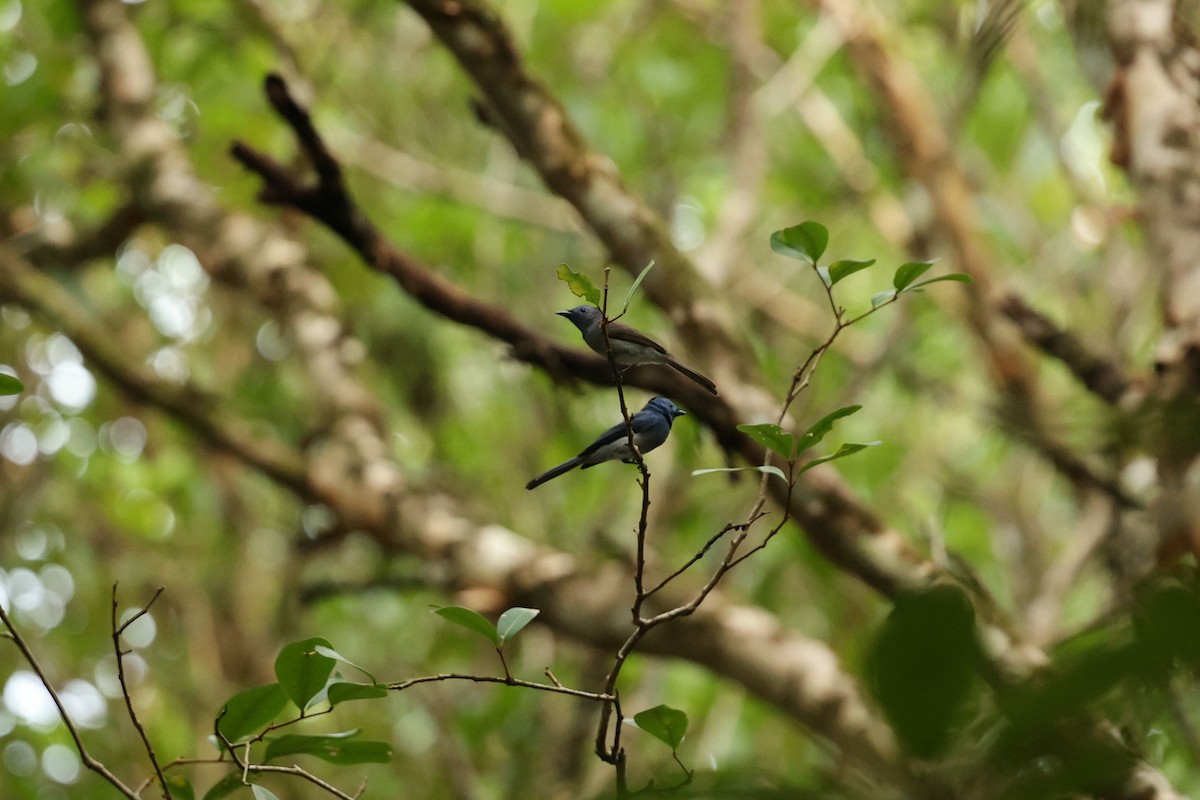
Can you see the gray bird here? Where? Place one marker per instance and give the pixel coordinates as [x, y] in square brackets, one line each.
[629, 346]
[650, 428]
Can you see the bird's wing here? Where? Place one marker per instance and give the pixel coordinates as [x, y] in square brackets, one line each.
[641, 421]
[619, 330]
[609, 436]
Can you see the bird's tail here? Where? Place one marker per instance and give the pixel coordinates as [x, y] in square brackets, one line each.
[554, 472]
[691, 373]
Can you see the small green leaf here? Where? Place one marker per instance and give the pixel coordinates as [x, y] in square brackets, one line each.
[960, 277]
[637, 282]
[512, 621]
[907, 273]
[879, 298]
[823, 426]
[767, 468]
[329, 652]
[823, 274]
[342, 692]
[845, 268]
[771, 435]
[336, 748]
[849, 448]
[579, 284]
[249, 710]
[227, 785]
[471, 620]
[181, 788]
[262, 793]
[10, 384]
[302, 671]
[805, 241]
[663, 723]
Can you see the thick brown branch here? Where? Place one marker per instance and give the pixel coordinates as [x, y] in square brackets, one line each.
[21, 283]
[1100, 375]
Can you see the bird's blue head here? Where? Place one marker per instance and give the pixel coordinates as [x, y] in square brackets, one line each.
[584, 317]
[665, 407]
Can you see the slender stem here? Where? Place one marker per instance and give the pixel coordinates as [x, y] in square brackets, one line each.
[133, 717]
[88, 761]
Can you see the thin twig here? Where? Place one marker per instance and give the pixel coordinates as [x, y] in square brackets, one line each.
[133, 717]
[88, 761]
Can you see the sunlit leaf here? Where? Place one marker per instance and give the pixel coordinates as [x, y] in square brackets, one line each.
[10, 384]
[471, 620]
[663, 723]
[342, 692]
[336, 748]
[849, 448]
[262, 793]
[821, 428]
[907, 273]
[771, 435]
[512, 621]
[960, 277]
[251, 709]
[637, 282]
[329, 652]
[805, 241]
[845, 268]
[580, 285]
[302, 671]
[767, 468]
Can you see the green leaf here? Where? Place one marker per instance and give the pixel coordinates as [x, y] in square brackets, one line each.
[960, 277]
[879, 298]
[251, 709]
[230, 783]
[10, 384]
[329, 652]
[771, 435]
[907, 273]
[181, 788]
[823, 426]
[580, 285]
[512, 621]
[845, 268]
[849, 448]
[341, 692]
[336, 748]
[637, 282]
[663, 723]
[770, 470]
[923, 665]
[471, 620]
[302, 671]
[262, 793]
[805, 241]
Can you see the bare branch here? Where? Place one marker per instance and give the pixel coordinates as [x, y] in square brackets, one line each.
[88, 761]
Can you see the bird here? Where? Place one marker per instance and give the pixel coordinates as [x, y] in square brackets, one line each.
[650, 428]
[629, 346]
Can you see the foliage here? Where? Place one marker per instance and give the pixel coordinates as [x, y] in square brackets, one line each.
[103, 480]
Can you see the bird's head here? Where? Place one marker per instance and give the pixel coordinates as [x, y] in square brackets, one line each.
[665, 407]
[584, 317]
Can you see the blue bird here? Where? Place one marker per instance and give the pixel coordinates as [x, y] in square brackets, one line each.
[629, 346]
[650, 428]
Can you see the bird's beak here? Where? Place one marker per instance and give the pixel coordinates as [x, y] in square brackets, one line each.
[566, 314]
[679, 412]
